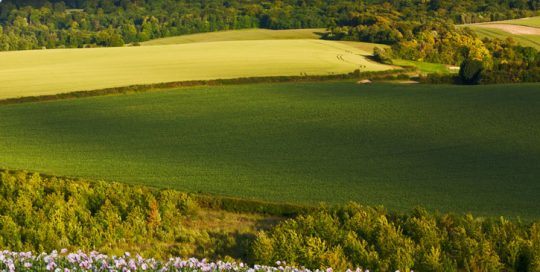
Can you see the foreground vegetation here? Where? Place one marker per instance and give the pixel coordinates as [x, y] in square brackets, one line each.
[45, 72]
[356, 236]
[43, 213]
[454, 148]
[40, 213]
[97, 262]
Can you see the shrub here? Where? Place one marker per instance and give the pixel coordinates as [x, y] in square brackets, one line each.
[374, 239]
[470, 71]
[382, 55]
[45, 213]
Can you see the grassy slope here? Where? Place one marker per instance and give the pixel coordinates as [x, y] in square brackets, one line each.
[525, 40]
[451, 148]
[258, 34]
[240, 35]
[424, 67]
[26, 73]
[532, 22]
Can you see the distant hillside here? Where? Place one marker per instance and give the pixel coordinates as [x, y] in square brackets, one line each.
[525, 31]
[260, 34]
[45, 72]
[241, 35]
[529, 21]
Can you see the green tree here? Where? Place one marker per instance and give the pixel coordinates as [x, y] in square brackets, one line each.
[382, 55]
[471, 71]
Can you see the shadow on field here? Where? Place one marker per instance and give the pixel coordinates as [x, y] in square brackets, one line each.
[453, 148]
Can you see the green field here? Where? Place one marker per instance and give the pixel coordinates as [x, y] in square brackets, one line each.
[259, 34]
[42, 72]
[531, 21]
[452, 148]
[525, 40]
[521, 32]
[240, 35]
[424, 67]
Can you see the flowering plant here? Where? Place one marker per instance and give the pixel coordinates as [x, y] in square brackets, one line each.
[64, 261]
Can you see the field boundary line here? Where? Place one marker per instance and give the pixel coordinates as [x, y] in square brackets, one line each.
[193, 83]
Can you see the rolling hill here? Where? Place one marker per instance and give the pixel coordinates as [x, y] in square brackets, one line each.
[452, 148]
[525, 31]
[530, 21]
[241, 35]
[43, 72]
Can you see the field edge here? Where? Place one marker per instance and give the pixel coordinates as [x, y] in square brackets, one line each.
[194, 83]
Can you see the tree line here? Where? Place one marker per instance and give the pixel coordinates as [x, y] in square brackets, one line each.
[35, 24]
[76, 24]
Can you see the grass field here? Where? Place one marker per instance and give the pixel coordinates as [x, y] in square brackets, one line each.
[424, 67]
[240, 35]
[527, 35]
[41, 72]
[452, 148]
[531, 21]
[525, 40]
[259, 34]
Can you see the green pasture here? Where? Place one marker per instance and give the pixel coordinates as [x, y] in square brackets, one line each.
[448, 148]
[492, 33]
[530, 21]
[424, 67]
[44, 72]
[259, 34]
[241, 35]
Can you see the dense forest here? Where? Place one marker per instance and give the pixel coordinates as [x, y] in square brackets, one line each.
[44, 213]
[34, 24]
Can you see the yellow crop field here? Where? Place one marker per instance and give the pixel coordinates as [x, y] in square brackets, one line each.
[258, 34]
[42, 72]
[241, 35]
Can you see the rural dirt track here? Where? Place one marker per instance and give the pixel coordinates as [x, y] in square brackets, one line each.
[514, 29]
